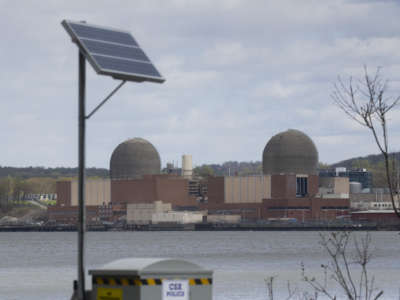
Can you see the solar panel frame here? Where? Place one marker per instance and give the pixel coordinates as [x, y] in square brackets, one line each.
[83, 41]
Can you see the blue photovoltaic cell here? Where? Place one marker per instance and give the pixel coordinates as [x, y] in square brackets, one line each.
[126, 66]
[97, 47]
[90, 32]
[113, 52]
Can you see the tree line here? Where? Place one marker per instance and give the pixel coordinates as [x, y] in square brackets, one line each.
[233, 168]
[29, 172]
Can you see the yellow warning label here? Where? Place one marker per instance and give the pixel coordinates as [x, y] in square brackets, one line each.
[109, 294]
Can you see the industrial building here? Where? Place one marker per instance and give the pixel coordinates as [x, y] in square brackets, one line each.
[379, 216]
[150, 188]
[135, 178]
[97, 200]
[365, 201]
[97, 192]
[288, 188]
[335, 186]
[361, 176]
[367, 204]
[177, 217]
[142, 213]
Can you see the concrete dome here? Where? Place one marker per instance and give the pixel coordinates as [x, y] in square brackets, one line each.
[290, 152]
[133, 159]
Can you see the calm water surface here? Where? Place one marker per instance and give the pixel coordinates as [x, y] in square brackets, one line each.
[42, 266]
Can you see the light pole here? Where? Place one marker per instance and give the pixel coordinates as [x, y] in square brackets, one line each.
[102, 46]
[81, 176]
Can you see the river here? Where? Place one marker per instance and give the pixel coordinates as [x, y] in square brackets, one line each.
[42, 265]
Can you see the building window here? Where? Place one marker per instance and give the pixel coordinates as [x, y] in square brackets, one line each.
[301, 186]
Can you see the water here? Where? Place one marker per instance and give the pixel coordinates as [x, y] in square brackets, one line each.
[38, 265]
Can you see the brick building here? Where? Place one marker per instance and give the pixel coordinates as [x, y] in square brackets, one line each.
[283, 200]
[166, 188]
[106, 200]
[288, 188]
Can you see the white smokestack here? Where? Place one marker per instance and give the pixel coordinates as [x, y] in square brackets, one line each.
[187, 169]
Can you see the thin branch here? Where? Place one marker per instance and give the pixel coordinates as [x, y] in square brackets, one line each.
[336, 245]
[366, 104]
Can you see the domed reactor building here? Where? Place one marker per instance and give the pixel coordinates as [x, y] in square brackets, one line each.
[290, 152]
[291, 159]
[134, 158]
[135, 172]
[291, 156]
[287, 189]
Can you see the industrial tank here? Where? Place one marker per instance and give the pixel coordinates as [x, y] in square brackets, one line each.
[134, 158]
[290, 152]
[355, 187]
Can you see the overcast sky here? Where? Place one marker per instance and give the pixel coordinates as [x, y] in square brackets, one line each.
[237, 73]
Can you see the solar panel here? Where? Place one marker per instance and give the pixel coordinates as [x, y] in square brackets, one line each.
[113, 52]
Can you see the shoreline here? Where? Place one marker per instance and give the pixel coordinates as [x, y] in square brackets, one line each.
[206, 227]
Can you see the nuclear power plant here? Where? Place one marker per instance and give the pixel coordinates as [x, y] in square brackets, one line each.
[137, 192]
[288, 188]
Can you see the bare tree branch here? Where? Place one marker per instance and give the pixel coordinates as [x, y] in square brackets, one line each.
[336, 245]
[366, 104]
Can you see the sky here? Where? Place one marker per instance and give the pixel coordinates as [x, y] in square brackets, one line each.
[237, 73]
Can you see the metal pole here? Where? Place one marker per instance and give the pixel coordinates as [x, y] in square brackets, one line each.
[81, 184]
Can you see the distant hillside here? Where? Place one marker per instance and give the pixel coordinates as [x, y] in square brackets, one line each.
[29, 172]
[365, 161]
[374, 164]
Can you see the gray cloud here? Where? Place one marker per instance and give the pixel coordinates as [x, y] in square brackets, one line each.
[237, 73]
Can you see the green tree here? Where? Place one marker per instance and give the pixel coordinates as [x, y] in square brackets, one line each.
[323, 166]
[3, 194]
[203, 171]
